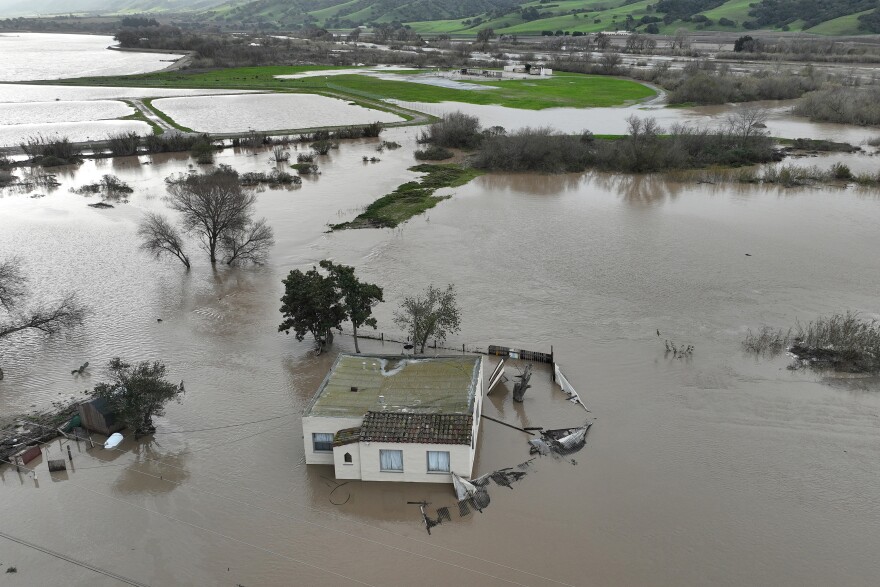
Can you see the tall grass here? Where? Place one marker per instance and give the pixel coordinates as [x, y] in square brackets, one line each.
[845, 342]
[768, 341]
[49, 152]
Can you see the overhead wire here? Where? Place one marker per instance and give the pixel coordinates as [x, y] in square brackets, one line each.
[64, 557]
[322, 511]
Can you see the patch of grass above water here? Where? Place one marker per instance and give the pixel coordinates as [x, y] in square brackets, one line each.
[411, 198]
[148, 102]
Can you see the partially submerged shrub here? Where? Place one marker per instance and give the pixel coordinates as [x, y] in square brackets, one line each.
[123, 144]
[768, 341]
[844, 342]
[50, 152]
[305, 168]
[433, 153]
[455, 130]
[305, 157]
[323, 147]
[110, 186]
[275, 177]
[841, 171]
[203, 151]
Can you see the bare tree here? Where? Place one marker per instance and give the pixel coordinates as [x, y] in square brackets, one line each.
[681, 41]
[213, 206]
[160, 237]
[433, 313]
[609, 62]
[248, 244]
[16, 315]
[12, 283]
[747, 122]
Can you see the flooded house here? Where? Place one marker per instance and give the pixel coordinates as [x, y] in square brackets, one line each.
[394, 418]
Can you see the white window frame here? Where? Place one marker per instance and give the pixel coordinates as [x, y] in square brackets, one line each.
[315, 442]
[390, 450]
[438, 471]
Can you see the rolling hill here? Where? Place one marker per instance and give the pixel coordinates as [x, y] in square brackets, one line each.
[467, 17]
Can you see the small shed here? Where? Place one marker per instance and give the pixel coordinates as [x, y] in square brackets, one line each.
[97, 417]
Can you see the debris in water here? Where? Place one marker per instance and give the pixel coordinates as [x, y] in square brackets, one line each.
[443, 514]
[519, 389]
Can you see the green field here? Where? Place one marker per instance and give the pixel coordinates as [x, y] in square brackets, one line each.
[562, 90]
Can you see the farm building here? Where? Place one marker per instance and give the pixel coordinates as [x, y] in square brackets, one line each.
[96, 416]
[391, 418]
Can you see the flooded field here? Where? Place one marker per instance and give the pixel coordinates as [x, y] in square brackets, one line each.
[716, 469]
[267, 112]
[613, 120]
[41, 56]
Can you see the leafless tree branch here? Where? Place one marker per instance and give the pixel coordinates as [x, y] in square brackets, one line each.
[161, 237]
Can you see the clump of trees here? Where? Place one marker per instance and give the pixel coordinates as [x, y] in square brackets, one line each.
[137, 393]
[433, 313]
[216, 209]
[455, 130]
[131, 143]
[51, 152]
[19, 313]
[316, 303]
[847, 105]
[646, 147]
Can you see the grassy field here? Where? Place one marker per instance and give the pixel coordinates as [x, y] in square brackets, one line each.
[412, 198]
[562, 90]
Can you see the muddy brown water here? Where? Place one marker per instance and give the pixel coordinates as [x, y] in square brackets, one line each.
[718, 469]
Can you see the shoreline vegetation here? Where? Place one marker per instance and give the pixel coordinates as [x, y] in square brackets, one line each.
[845, 343]
[412, 198]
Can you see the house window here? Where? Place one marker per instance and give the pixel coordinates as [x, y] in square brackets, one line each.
[347, 458]
[391, 460]
[438, 461]
[322, 441]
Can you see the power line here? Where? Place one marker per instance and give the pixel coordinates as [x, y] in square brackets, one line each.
[222, 427]
[379, 542]
[74, 561]
[226, 536]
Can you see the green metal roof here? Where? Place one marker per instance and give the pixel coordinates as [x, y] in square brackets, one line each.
[424, 385]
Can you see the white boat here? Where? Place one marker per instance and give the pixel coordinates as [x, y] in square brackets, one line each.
[113, 441]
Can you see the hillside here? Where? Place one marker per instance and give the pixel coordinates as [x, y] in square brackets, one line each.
[466, 17]
[12, 8]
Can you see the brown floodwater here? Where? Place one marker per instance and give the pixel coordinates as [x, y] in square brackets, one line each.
[718, 469]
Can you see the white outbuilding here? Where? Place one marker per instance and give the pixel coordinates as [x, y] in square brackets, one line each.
[394, 418]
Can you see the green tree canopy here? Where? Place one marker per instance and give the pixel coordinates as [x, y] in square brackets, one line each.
[358, 298]
[137, 393]
[311, 304]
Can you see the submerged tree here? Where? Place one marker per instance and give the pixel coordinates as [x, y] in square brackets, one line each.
[218, 210]
[137, 393]
[434, 313]
[311, 304]
[358, 298]
[17, 315]
[160, 237]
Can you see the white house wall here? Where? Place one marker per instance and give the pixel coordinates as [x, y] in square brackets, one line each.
[317, 424]
[345, 470]
[415, 462]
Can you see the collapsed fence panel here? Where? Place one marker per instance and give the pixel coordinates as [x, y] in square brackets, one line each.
[566, 387]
